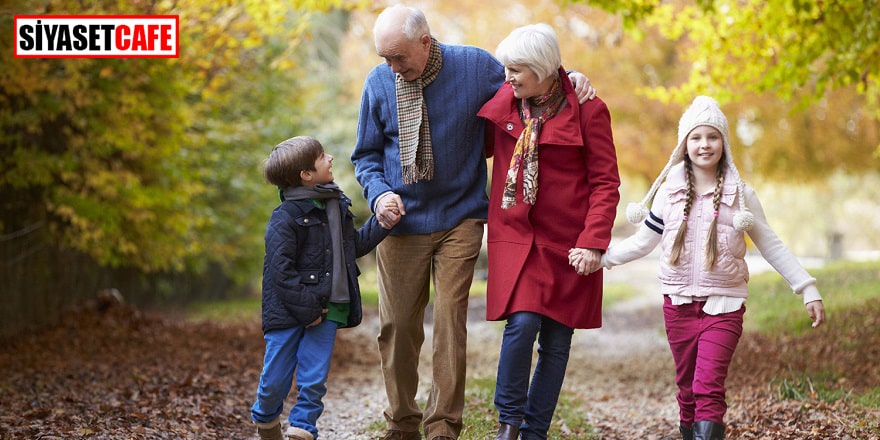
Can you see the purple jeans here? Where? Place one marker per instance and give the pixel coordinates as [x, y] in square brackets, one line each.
[702, 347]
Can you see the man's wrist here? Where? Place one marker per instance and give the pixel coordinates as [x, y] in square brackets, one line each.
[379, 199]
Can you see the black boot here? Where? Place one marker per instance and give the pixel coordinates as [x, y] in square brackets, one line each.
[507, 432]
[686, 433]
[706, 430]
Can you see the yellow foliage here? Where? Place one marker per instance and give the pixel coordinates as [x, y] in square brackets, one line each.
[117, 148]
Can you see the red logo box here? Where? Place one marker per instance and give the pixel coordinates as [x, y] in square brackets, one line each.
[97, 36]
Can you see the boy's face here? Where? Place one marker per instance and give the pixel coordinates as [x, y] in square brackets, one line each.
[323, 172]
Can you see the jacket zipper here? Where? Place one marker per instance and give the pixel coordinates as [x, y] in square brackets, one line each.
[695, 246]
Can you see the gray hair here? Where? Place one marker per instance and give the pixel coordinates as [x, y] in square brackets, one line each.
[414, 25]
[534, 46]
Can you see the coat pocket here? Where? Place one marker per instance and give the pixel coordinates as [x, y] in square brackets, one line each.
[301, 303]
[310, 277]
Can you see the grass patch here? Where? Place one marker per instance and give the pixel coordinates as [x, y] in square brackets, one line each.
[613, 293]
[838, 352]
[870, 399]
[841, 351]
[772, 308]
[803, 387]
[238, 310]
[481, 418]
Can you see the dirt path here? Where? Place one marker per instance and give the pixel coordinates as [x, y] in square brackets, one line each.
[122, 374]
[623, 374]
[620, 372]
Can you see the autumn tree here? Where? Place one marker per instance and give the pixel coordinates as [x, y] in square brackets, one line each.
[803, 52]
[643, 56]
[784, 46]
[151, 165]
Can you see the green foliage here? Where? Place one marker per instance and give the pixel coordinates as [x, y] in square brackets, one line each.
[870, 399]
[798, 78]
[772, 308]
[481, 417]
[794, 48]
[802, 387]
[631, 11]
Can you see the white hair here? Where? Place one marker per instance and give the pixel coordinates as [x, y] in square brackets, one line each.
[534, 46]
[414, 24]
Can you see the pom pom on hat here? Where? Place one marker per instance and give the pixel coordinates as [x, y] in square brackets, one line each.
[636, 213]
[743, 220]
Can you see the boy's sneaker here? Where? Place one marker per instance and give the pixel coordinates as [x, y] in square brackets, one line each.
[270, 431]
[294, 433]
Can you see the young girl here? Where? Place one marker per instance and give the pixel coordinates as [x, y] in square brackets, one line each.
[699, 214]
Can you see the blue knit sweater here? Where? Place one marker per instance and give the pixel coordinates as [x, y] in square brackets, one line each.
[469, 77]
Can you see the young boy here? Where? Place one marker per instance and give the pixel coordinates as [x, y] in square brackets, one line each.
[310, 286]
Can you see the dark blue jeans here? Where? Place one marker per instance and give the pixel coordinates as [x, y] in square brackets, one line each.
[520, 404]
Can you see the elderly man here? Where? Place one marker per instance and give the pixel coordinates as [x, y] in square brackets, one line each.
[419, 154]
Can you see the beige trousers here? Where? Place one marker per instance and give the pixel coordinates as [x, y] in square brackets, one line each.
[406, 264]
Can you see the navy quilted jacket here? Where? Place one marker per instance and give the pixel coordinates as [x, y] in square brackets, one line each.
[296, 268]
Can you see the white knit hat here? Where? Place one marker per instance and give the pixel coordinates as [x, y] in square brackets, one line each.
[703, 111]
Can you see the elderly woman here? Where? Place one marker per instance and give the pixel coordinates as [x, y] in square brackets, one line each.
[539, 210]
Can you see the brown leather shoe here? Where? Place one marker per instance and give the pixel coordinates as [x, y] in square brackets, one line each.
[394, 434]
[507, 432]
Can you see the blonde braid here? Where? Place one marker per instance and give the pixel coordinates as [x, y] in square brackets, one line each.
[678, 244]
[712, 239]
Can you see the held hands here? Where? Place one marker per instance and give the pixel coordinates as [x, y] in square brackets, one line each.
[582, 87]
[389, 209]
[585, 261]
[817, 312]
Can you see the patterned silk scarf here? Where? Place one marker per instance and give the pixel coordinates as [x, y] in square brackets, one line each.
[525, 153]
[414, 134]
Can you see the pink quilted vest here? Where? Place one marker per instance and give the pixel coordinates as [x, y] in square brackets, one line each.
[730, 274]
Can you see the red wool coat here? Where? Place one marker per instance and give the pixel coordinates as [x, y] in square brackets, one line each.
[575, 207]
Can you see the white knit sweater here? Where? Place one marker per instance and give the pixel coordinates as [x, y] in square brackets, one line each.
[768, 243]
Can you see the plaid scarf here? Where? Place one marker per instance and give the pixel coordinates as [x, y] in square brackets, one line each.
[414, 134]
[525, 153]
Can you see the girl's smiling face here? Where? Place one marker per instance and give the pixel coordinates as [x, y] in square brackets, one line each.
[705, 146]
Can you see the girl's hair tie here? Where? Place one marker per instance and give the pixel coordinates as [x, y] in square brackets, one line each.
[685, 218]
[715, 214]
